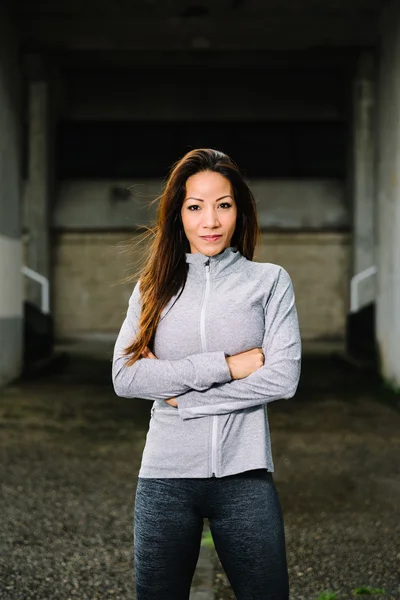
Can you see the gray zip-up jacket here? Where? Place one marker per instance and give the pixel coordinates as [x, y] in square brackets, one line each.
[229, 305]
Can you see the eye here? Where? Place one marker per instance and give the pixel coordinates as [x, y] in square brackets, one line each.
[223, 204]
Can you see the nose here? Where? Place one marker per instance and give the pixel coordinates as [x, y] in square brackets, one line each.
[210, 218]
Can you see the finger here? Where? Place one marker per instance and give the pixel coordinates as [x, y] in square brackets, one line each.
[148, 354]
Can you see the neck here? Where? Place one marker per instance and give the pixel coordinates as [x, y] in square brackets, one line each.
[219, 264]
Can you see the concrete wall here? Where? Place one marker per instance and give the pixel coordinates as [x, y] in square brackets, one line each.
[90, 216]
[37, 187]
[361, 171]
[88, 225]
[88, 299]
[10, 243]
[388, 198]
[286, 204]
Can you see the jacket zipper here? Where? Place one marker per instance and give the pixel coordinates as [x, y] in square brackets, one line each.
[203, 339]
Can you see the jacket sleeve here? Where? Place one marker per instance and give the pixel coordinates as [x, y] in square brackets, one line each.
[277, 378]
[160, 380]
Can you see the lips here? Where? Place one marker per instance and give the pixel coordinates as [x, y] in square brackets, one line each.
[211, 238]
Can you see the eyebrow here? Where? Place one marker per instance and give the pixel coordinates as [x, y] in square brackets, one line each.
[201, 200]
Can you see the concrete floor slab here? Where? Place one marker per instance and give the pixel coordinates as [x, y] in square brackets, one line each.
[70, 453]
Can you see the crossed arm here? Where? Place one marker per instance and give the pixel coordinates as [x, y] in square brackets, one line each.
[162, 379]
[197, 396]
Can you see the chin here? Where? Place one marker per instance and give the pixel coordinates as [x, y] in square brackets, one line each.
[212, 247]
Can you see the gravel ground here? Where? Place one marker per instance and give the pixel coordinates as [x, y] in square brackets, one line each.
[69, 457]
[336, 449]
[70, 452]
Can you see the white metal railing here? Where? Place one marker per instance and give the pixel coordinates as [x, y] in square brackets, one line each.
[44, 282]
[355, 280]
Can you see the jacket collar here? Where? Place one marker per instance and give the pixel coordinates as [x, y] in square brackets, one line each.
[220, 264]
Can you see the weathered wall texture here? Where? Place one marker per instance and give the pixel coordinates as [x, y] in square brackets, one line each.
[288, 204]
[91, 212]
[388, 198]
[319, 265]
[86, 265]
[10, 244]
[88, 299]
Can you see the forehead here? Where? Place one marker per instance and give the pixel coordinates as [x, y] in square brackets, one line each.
[207, 183]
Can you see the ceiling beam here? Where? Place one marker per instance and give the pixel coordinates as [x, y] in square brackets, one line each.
[278, 32]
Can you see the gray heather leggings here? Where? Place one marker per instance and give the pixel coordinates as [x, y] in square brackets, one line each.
[246, 523]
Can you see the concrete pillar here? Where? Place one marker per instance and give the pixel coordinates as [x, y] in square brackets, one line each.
[11, 304]
[362, 174]
[39, 184]
[388, 197]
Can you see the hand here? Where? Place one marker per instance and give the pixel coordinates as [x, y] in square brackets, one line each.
[147, 353]
[243, 364]
[172, 402]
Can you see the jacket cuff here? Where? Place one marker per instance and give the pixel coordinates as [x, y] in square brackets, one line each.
[223, 372]
[186, 402]
[213, 368]
[218, 371]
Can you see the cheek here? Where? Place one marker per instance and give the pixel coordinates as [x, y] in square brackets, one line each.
[188, 220]
[231, 220]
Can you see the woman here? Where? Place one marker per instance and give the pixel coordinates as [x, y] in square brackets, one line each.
[210, 337]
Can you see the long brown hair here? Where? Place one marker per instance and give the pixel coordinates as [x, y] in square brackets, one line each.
[165, 270]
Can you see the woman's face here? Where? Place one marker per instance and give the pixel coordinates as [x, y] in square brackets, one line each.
[208, 209]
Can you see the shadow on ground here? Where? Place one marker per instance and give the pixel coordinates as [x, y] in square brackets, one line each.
[70, 453]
